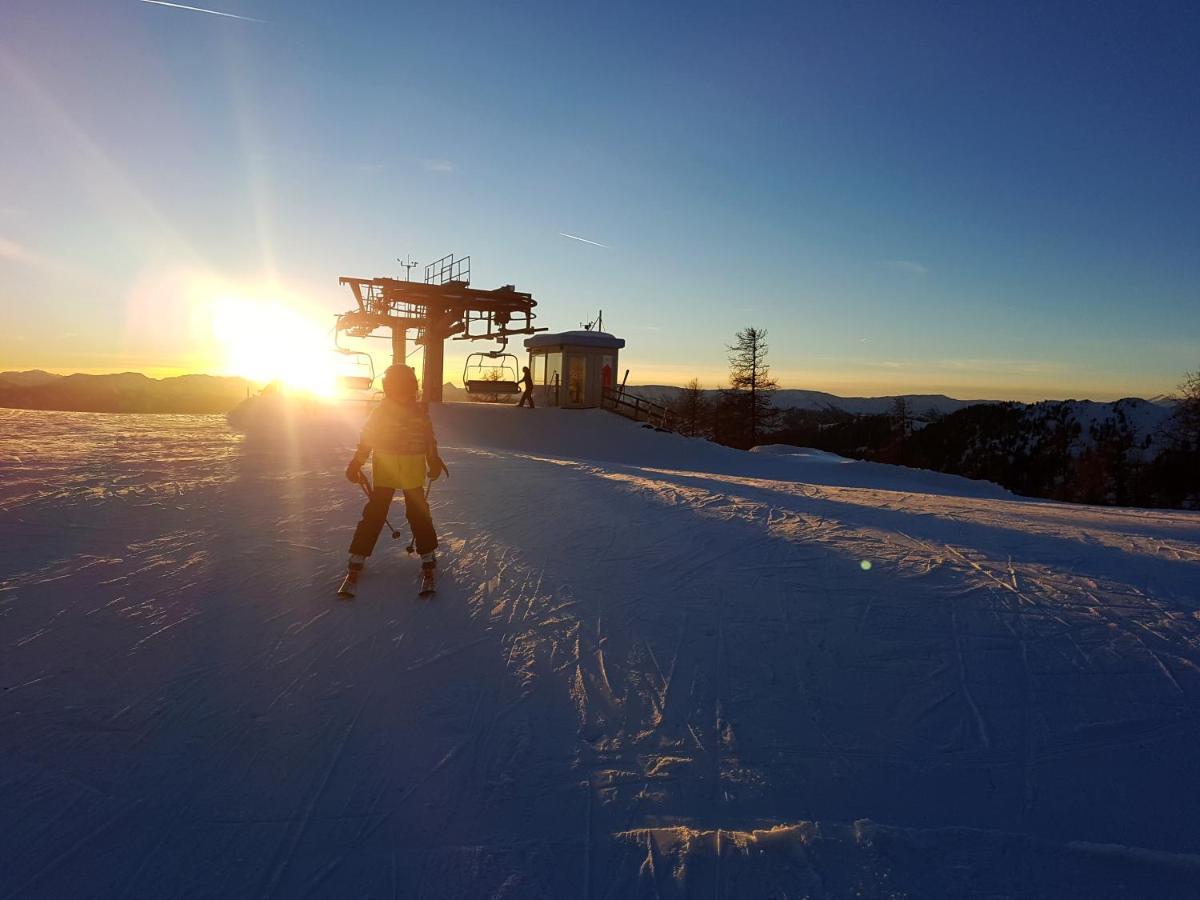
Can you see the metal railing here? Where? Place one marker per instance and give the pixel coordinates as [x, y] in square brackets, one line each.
[639, 409]
[446, 269]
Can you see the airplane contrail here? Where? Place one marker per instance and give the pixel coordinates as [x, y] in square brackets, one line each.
[576, 237]
[211, 12]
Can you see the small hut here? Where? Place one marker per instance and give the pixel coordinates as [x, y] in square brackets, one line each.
[572, 369]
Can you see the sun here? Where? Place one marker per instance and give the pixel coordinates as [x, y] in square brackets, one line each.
[265, 340]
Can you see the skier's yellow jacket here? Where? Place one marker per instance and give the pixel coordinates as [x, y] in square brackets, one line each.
[400, 438]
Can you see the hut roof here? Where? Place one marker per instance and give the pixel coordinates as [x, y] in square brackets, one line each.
[598, 339]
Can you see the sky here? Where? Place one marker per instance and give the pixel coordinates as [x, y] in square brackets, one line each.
[985, 200]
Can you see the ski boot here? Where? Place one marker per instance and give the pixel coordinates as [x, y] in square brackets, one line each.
[353, 570]
[428, 574]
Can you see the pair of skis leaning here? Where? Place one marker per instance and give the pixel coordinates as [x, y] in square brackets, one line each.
[428, 586]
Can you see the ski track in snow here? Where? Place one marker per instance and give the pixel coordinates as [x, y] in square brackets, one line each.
[654, 667]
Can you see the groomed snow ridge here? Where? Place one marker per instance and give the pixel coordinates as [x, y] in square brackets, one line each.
[655, 667]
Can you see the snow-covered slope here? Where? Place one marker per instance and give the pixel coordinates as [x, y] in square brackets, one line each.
[1144, 421]
[656, 667]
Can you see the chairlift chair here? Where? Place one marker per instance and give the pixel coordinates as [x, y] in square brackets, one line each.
[358, 382]
[491, 373]
[362, 360]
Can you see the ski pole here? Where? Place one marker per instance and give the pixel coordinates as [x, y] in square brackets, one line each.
[412, 544]
[366, 486]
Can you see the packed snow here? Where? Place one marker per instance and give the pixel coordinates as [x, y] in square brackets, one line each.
[655, 667]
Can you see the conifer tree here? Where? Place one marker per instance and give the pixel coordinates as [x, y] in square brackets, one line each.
[1187, 411]
[747, 410]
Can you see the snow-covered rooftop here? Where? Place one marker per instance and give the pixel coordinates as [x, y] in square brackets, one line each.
[599, 339]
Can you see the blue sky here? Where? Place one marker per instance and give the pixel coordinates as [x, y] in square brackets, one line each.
[979, 199]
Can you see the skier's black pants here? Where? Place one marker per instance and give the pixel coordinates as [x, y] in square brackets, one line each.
[528, 395]
[416, 510]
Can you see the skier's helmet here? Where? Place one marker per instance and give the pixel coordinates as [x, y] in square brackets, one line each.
[400, 383]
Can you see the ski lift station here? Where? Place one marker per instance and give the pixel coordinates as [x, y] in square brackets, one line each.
[573, 369]
[443, 307]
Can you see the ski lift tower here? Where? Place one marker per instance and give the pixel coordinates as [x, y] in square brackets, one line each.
[444, 306]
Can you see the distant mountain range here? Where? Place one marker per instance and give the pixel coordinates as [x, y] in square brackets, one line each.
[128, 392]
[919, 405]
[28, 379]
[788, 398]
[134, 392]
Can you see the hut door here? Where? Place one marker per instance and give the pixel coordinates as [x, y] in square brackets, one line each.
[552, 378]
[576, 379]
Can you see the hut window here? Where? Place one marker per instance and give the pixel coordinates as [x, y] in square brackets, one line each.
[553, 368]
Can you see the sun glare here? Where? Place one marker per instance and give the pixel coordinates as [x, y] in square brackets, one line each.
[267, 340]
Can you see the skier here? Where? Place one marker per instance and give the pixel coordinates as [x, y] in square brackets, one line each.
[400, 437]
[527, 383]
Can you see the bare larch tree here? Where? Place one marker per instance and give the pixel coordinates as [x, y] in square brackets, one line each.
[750, 384]
[691, 407]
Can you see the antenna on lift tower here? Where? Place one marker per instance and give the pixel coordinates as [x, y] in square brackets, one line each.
[409, 264]
[596, 324]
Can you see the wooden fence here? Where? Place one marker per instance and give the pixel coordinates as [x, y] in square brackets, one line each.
[639, 409]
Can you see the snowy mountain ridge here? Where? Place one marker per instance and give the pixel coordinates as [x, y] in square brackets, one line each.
[919, 405]
[28, 377]
[795, 398]
[128, 392]
[1144, 422]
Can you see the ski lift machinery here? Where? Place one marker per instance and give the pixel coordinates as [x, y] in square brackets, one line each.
[444, 307]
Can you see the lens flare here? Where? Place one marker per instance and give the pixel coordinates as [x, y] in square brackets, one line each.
[268, 340]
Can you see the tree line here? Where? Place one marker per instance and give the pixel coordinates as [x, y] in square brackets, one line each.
[1040, 451]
